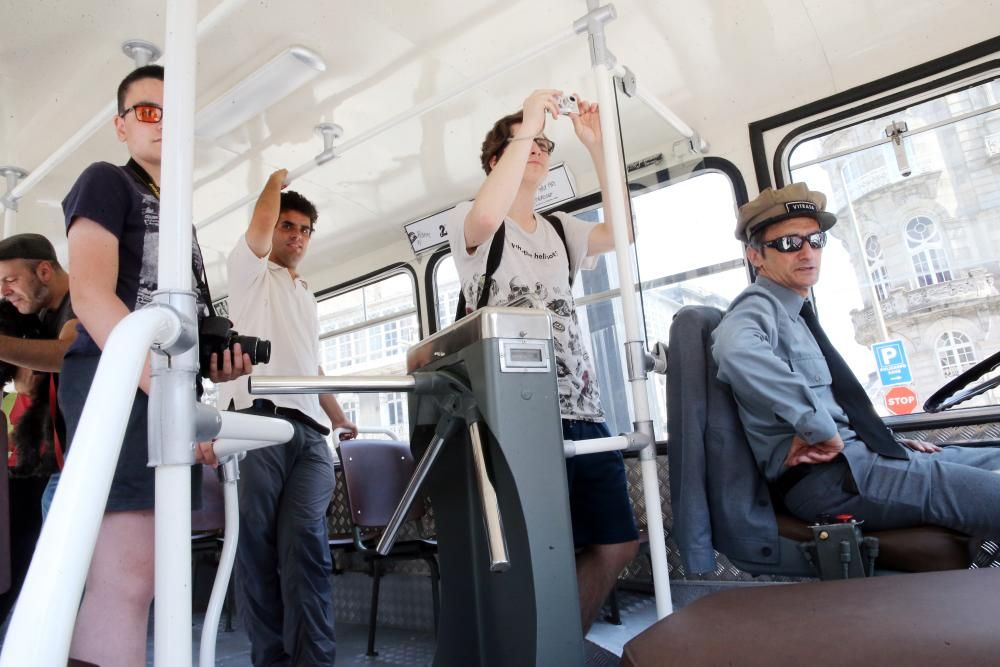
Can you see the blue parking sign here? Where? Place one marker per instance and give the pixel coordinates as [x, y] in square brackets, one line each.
[893, 367]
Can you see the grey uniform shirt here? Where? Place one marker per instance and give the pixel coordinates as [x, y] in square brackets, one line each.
[778, 375]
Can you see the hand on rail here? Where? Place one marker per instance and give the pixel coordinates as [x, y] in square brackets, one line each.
[345, 430]
[204, 452]
[534, 108]
[587, 124]
[277, 179]
[232, 366]
[802, 452]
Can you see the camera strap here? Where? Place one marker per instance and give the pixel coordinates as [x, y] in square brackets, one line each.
[142, 177]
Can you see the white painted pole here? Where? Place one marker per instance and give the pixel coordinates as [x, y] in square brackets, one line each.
[663, 111]
[42, 626]
[614, 167]
[415, 112]
[210, 629]
[172, 395]
[9, 222]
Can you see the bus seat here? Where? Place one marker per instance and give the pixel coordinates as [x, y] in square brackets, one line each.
[926, 619]
[720, 500]
[376, 473]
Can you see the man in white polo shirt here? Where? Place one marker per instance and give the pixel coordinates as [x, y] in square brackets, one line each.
[283, 559]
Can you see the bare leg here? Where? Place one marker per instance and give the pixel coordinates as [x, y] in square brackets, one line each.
[111, 626]
[597, 570]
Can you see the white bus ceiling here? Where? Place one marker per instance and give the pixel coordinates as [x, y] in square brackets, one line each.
[719, 64]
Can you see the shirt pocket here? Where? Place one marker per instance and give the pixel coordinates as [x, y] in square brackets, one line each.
[814, 370]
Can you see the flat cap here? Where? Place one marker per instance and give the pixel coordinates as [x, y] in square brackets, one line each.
[771, 206]
[27, 246]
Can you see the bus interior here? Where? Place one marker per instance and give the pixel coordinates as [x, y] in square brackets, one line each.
[378, 109]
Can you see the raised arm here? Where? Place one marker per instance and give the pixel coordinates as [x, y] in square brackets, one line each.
[496, 196]
[265, 214]
[587, 125]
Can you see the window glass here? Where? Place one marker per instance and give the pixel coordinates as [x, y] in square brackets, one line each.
[446, 289]
[367, 331]
[686, 254]
[915, 254]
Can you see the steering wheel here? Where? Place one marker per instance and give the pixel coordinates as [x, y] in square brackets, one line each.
[954, 391]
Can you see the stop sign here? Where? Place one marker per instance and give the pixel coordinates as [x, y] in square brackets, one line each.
[901, 400]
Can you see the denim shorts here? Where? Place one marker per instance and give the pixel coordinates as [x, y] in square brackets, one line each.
[598, 490]
[132, 488]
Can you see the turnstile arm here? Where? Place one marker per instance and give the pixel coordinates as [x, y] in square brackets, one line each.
[499, 560]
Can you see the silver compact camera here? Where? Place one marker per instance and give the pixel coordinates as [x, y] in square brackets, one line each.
[567, 104]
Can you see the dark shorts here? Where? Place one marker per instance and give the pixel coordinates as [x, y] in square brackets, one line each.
[132, 488]
[598, 490]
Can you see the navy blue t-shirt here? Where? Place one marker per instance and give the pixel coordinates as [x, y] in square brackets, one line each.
[117, 200]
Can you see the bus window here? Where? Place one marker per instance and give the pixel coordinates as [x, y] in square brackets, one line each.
[908, 291]
[366, 330]
[446, 290]
[686, 254]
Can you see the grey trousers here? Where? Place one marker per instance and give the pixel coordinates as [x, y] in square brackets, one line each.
[955, 488]
[283, 565]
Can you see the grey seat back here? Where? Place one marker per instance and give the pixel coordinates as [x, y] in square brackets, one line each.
[720, 500]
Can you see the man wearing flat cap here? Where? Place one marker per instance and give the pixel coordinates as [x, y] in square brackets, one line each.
[34, 282]
[814, 433]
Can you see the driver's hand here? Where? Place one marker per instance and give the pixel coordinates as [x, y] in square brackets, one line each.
[920, 445]
[821, 452]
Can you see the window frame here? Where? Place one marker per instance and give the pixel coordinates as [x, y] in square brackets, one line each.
[640, 185]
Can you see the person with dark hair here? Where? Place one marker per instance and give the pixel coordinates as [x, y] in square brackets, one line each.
[808, 420]
[112, 221]
[38, 326]
[283, 564]
[540, 256]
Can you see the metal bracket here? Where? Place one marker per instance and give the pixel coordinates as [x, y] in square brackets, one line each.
[593, 24]
[658, 358]
[627, 82]
[330, 133]
[12, 175]
[186, 335]
[141, 51]
[636, 360]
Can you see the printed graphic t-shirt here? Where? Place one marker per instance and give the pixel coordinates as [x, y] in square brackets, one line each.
[113, 198]
[534, 266]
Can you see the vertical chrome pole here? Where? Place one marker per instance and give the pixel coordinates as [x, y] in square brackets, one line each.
[593, 24]
[172, 397]
[12, 175]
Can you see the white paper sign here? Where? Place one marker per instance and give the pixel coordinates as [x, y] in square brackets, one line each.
[556, 189]
[428, 232]
[432, 231]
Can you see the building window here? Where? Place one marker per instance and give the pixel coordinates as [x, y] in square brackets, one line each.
[955, 353]
[926, 252]
[367, 330]
[876, 267]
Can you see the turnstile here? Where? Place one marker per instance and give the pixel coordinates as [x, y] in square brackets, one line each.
[509, 598]
[486, 431]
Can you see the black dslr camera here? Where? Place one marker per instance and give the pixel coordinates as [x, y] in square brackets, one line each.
[215, 334]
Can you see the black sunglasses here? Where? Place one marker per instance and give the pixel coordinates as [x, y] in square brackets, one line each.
[794, 242]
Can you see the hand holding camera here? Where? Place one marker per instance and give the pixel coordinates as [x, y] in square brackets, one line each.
[224, 354]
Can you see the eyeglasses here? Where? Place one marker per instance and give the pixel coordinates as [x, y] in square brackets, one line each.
[288, 227]
[544, 144]
[145, 112]
[794, 242]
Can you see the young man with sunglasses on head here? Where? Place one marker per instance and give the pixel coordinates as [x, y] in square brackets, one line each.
[807, 419]
[283, 565]
[540, 255]
[112, 222]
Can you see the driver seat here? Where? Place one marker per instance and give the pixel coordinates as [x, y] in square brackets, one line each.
[720, 500]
